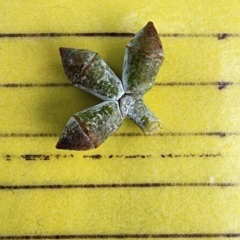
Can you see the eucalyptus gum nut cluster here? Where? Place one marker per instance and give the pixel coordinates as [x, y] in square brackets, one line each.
[85, 69]
[88, 71]
[142, 60]
[90, 128]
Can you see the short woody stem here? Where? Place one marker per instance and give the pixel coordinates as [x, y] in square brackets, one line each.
[144, 118]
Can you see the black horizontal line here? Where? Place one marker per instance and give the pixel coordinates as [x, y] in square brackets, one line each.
[195, 83]
[149, 156]
[116, 185]
[41, 135]
[133, 156]
[180, 134]
[191, 155]
[219, 36]
[124, 236]
[32, 85]
[76, 34]
[35, 157]
[220, 84]
[161, 134]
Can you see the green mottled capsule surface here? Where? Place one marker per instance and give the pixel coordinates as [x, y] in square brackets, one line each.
[87, 70]
[90, 128]
[142, 60]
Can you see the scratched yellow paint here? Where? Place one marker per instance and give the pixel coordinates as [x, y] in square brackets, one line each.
[194, 161]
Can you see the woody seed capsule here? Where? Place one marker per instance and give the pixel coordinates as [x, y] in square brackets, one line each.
[90, 128]
[142, 60]
[87, 70]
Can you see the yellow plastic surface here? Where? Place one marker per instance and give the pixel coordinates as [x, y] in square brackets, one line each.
[183, 183]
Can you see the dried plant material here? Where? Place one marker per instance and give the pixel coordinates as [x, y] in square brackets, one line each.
[85, 69]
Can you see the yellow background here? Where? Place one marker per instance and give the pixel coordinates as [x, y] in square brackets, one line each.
[193, 162]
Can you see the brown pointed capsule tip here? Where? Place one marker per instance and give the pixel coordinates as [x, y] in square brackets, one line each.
[64, 53]
[75, 60]
[73, 137]
[147, 40]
